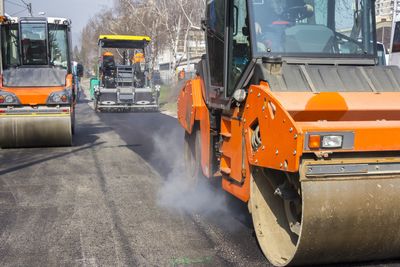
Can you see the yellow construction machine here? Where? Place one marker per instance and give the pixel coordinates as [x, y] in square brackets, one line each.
[292, 112]
[127, 86]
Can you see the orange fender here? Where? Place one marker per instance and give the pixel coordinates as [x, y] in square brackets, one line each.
[193, 109]
[234, 165]
[186, 109]
[281, 140]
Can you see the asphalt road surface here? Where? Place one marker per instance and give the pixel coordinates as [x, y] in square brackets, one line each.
[114, 199]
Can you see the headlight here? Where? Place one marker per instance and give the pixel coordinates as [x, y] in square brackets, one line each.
[332, 141]
[240, 95]
[7, 98]
[56, 98]
[61, 97]
[329, 140]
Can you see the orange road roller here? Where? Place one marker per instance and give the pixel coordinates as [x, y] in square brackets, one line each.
[37, 92]
[292, 112]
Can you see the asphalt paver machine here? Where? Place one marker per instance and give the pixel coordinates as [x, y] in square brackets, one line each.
[124, 79]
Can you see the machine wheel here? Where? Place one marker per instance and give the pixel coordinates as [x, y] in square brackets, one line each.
[192, 154]
[73, 121]
[275, 218]
[301, 221]
[95, 102]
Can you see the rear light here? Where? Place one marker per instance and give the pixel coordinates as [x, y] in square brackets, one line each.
[2, 99]
[314, 141]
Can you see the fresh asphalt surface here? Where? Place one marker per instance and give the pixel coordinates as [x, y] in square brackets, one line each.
[113, 199]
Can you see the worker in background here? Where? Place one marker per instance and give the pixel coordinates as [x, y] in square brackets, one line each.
[138, 58]
[137, 61]
[77, 72]
[107, 70]
[108, 63]
[181, 75]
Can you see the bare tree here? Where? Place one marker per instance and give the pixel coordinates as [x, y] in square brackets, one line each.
[167, 22]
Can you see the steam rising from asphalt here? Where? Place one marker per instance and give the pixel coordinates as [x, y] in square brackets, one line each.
[172, 194]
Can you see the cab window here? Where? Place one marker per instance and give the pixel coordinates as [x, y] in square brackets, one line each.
[239, 46]
[10, 46]
[58, 45]
[215, 40]
[34, 44]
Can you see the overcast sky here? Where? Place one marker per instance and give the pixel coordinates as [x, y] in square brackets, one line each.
[79, 11]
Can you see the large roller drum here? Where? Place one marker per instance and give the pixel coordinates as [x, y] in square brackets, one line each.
[35, 131]
[344, 218]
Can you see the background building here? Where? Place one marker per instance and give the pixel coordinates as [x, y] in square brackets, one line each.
[189, 52]
[385, 7]
[384, 18]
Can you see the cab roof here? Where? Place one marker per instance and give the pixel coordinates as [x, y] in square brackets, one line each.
[51, 20]
[123, 41]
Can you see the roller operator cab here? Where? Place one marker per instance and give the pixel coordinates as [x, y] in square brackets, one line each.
[293, 113]
[124, 80]
[37, 93]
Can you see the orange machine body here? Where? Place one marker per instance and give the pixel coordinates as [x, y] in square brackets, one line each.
[192, 110]
[36, 96]
[284, 120]
[37, 89]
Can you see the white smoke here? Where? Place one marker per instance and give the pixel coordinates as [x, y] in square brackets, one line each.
[173, 194]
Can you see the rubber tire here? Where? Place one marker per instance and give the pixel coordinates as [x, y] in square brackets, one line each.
[192, 156]
[73, 122]
[269, 220]
[95, 103]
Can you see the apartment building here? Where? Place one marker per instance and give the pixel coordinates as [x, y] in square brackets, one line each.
[385, 7]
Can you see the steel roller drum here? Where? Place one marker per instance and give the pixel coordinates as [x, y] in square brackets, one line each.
[346, 219]
[35, 131]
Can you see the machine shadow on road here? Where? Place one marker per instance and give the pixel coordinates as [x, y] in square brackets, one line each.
[138, 131]
[86, 137]
[31, 157]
